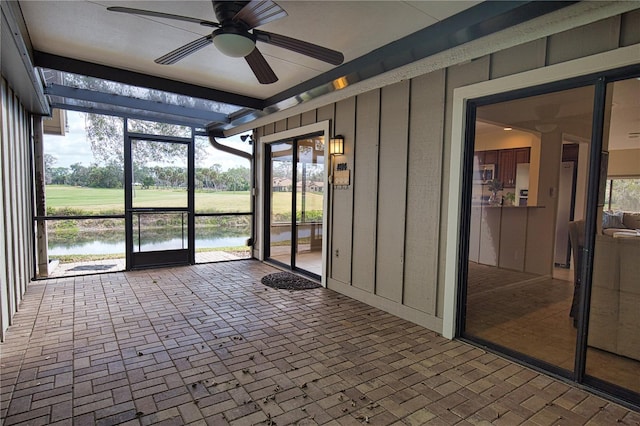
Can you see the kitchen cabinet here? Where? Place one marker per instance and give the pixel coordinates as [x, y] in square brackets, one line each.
[490, 157]
[487, 157]
[507, 167]
[523, 155]
[508, 160]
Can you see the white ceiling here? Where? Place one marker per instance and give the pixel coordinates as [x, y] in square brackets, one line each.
[624, 129]
[85, 30]
[571, 111]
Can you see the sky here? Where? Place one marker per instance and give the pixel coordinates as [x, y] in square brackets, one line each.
[75, 148]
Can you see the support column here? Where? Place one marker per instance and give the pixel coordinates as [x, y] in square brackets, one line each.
[42, 246]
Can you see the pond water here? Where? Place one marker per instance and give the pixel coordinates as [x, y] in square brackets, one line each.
[99, 241]
[115, 247]
[168, 239]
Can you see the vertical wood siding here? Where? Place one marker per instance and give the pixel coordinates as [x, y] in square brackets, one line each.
[388, 225]
[293, 122]
[392, 184]
[308, 117]
[343, 220]
[424, 183]
[630, 30]
[586, 40]
[16, 230]
[365, 197]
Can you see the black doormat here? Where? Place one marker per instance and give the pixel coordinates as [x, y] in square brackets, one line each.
[92, 267]
[288, 281]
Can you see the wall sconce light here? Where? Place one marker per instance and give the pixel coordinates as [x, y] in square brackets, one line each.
[336, 145]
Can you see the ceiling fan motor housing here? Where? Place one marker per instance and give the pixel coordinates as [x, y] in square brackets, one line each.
[226, 10]
[233, 38]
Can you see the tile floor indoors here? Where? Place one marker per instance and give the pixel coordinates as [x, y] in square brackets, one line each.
[530, 315]
[209, 344]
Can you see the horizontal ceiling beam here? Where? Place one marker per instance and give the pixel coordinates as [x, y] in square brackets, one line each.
[77, 105]
[76, 66]
[135, 103]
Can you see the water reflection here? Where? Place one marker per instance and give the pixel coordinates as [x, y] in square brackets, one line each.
[162, 239]
[114, 242]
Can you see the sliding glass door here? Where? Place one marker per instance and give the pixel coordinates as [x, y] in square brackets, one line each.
[518, 296]
[295, 170]
[613, 337]
[308, 204]
[549, 275]
[281, 202]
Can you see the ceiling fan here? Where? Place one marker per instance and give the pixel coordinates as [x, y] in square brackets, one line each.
[235, 35]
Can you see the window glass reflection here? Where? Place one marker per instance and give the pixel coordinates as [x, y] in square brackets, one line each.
[613, 351]
[529, 184]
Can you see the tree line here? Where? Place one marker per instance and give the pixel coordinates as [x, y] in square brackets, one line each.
[111, 175]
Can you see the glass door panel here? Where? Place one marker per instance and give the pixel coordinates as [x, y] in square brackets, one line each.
[613, 344]
[529, 183]
[309, 199]
[297, 174]
[281, 202]
[158, 203]
[154, 231]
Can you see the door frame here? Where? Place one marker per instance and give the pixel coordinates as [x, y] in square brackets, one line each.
[600, 82]
[158, 258]
[321, 128]
[295, 154]
[579, 68]
[268, 178]
[597, 84]
[597, 71]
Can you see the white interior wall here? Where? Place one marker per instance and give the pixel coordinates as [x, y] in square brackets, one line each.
[624, 163]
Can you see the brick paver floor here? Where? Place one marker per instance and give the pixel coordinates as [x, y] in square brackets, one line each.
[209, 344]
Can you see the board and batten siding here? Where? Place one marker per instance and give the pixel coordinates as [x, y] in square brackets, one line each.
[392, 194]
[365, 199]
[423, 191]
[393, 147]
[342, 205]
[387, 241]
[16, 229]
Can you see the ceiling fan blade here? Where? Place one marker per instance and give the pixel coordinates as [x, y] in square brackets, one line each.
[259, 12]
[163, 15]
[260, 67]
[183, 51]
[309, 49]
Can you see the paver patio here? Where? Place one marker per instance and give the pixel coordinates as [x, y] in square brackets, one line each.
[209, 344]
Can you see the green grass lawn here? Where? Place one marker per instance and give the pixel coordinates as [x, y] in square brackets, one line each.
[106, 201]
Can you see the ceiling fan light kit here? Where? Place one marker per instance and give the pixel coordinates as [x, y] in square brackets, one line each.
[232, 44]
[546, 127]
[235, 35]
